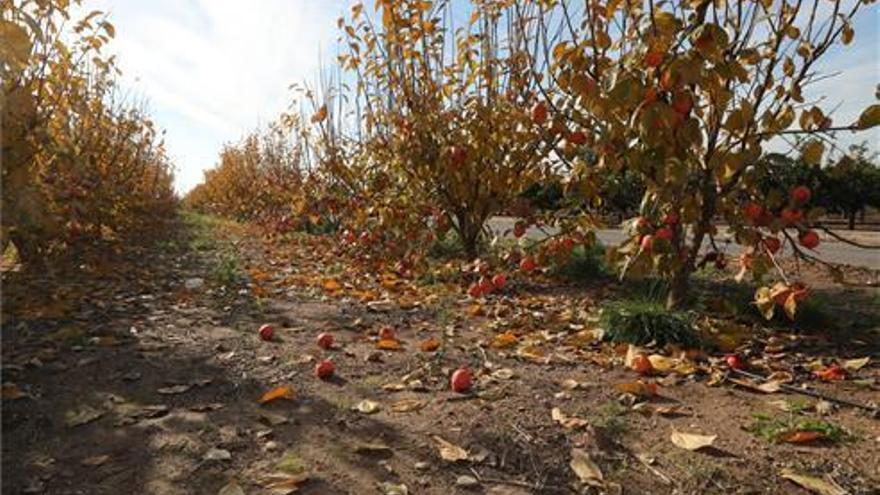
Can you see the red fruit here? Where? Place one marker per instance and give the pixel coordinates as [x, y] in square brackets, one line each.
[498, 281]
[664, 233]
[457, 155]
[682, 103]
[753, 211]
[809, 239]
[653, 59]
[527, 264]
[671, 219]
[519, 229]
[386, 333]
[325, 340]
[801, 194]
[650, 96]
[324, 369]
[577, 138]
[461, 381]
[772, 244]
[642, 365]
[647, 243]
[266, 332]
[568, 243]
[475, 291]
[539, 113]
[486, 285]
[734, 362]
[791, 216]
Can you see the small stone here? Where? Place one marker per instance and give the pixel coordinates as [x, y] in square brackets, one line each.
[194, 283]
[466, 481]
[271, 446]
[422, 466]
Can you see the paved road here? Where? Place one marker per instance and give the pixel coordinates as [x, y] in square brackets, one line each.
[830, 250]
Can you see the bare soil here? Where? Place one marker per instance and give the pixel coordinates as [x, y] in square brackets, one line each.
[140, 372]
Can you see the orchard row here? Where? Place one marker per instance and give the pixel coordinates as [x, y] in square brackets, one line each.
[79, 164]
[434, 127]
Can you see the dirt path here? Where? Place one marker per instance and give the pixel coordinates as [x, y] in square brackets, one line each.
[143, 377]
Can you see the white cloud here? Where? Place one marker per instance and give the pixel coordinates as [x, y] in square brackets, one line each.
[214, 69]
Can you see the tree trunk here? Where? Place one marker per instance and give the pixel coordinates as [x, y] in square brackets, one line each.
[679, 287]
[852, 220]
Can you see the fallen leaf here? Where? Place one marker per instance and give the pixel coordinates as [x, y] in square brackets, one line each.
[331, 285]
[815, 485]
[855, 364]
[570, 384]
[449, 451]
[388, 488]
[175, 389]
[231, 488]
[283, 392]
[82, 416]
[637, 388]
[802, 436]
[570, 422]
[388, 344]
[503, 374]
[691, 441]
[504, 340]
[12, 392]
[584, 467]
[407, 405]
[831, 374]
[367, 407]
[216, 454]
[95, 460]
[283, 483]
[429, 345]
[374, 447]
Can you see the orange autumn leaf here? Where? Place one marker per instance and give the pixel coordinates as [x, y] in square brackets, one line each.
[283, 392]
[802, 436]
[331, 285]
[639, 388]
[504, 340]
[430, 345]
[831, 373]
[388, 344]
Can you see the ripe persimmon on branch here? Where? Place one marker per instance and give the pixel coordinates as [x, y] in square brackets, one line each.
[686, 95]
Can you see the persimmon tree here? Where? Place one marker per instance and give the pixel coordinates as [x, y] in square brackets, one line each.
[446, 114]
[686, 94]
[78, 163]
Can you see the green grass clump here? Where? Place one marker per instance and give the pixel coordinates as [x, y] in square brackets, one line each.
[227, 271]
[584, 264]
[777, 429]
[643, 322]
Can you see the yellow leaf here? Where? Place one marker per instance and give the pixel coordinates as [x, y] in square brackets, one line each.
[11, 392]
[16, 46]
[870, 117]
[812, 152]
[855, 364]
[815, 485]
[320, 115]
[570, 422]
[449, 451]
[283, 392]
[691, 441]
[408, 405]
[585, 469]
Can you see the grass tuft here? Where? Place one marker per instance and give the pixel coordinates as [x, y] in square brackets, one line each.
[643, 322]
[584, 264]
[777, 429]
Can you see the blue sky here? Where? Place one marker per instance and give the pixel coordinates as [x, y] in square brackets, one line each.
[212, 70]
